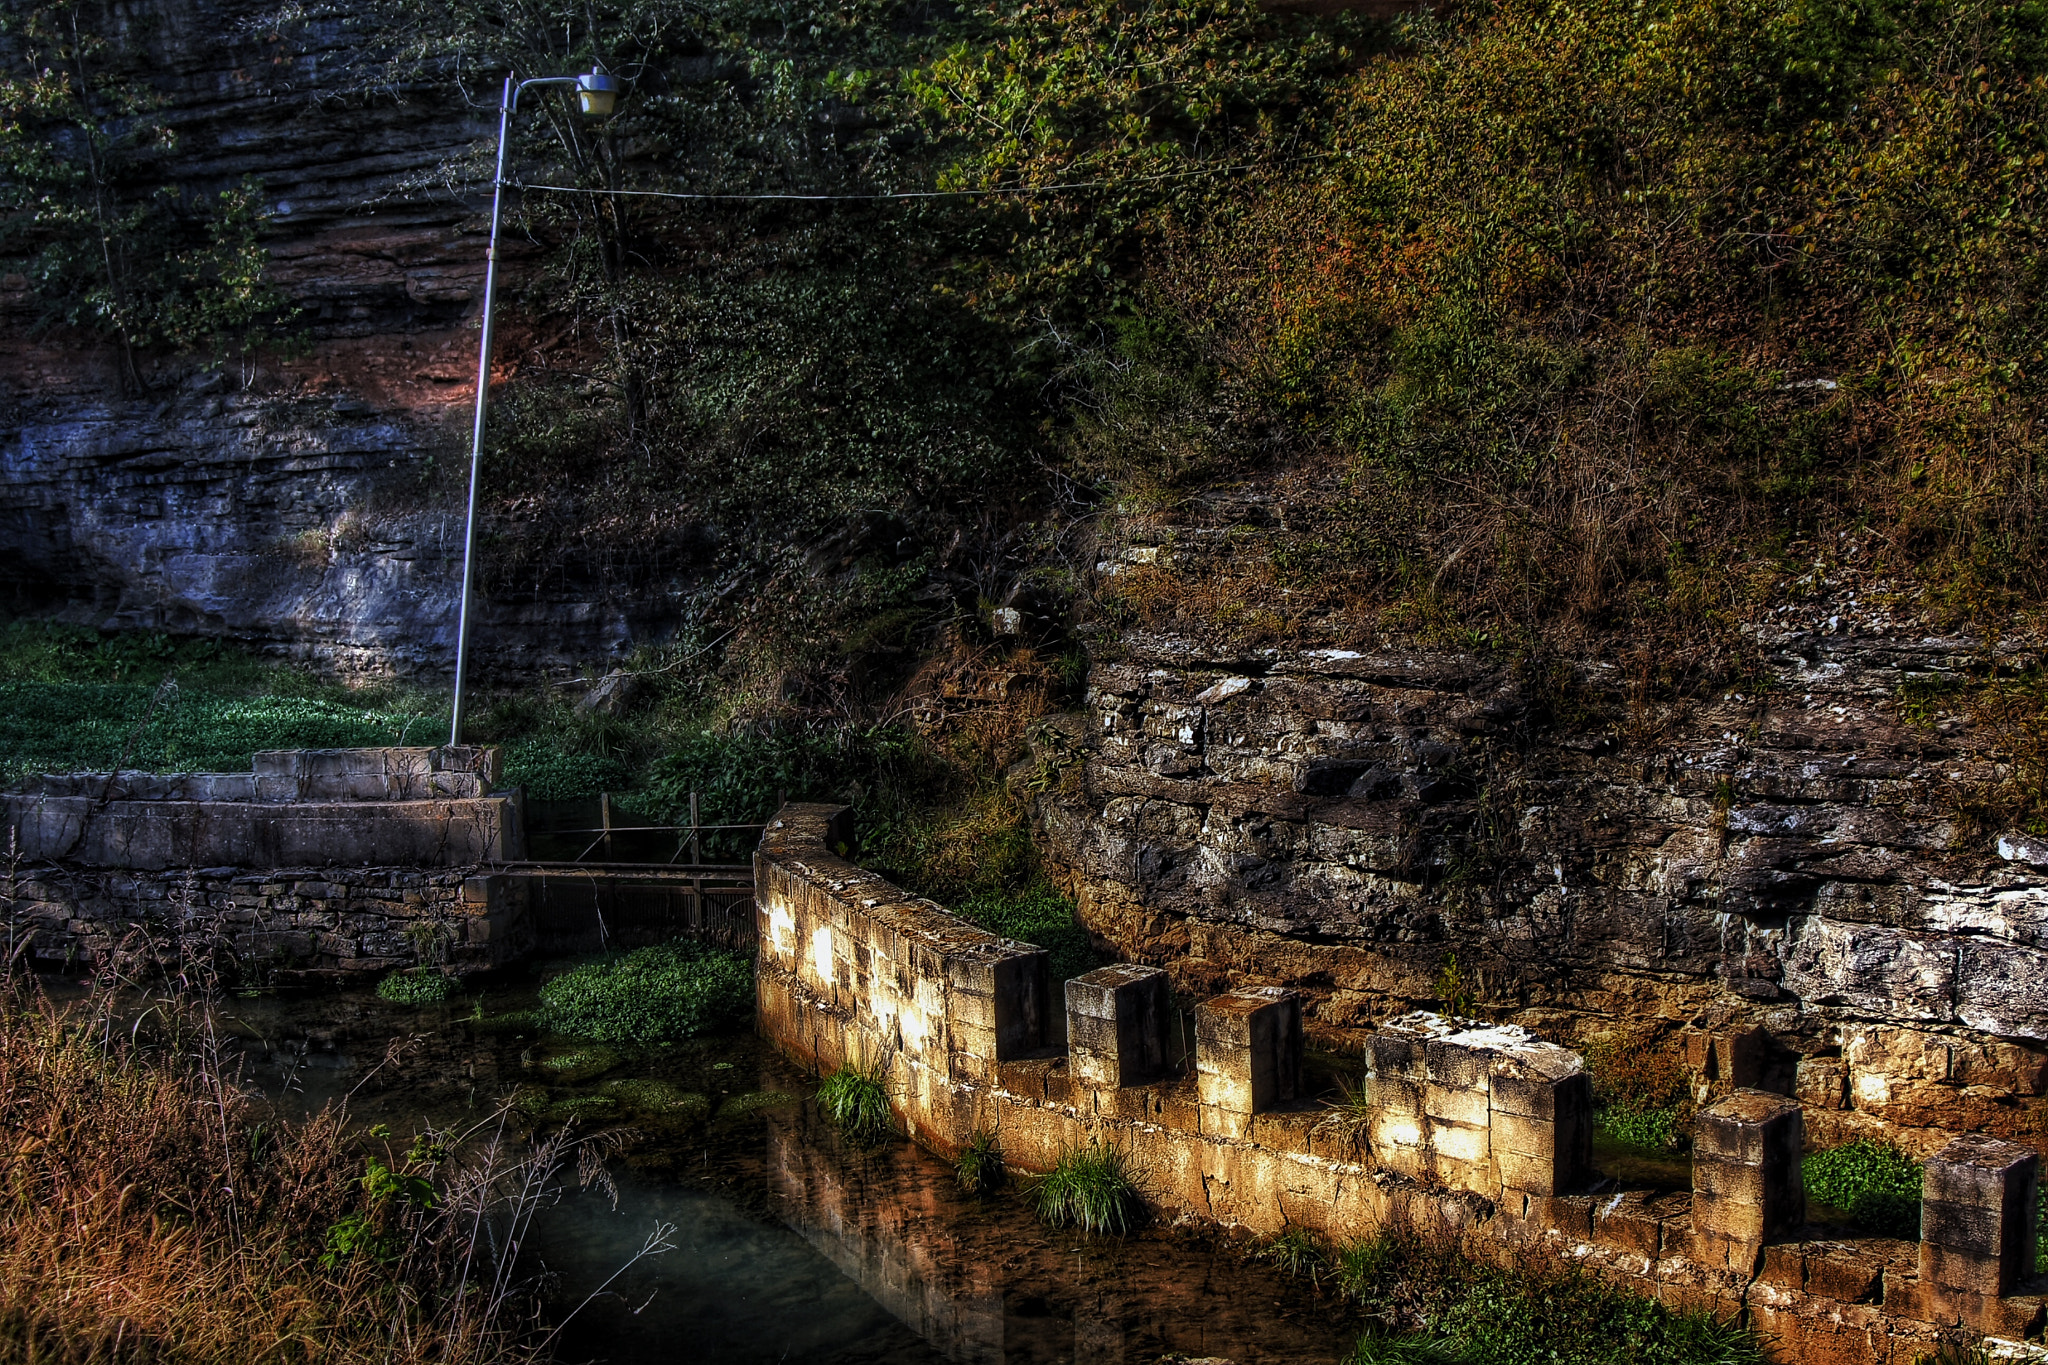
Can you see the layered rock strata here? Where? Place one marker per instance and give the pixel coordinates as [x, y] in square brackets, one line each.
[306, 498]
[1368, 824]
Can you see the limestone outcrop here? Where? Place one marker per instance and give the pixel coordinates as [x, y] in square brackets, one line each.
[1347, 821]
[307, 498]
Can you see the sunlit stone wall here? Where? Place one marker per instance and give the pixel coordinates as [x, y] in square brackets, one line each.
[1469, 1131]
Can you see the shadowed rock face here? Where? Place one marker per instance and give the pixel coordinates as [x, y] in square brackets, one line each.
[1340, 820]
[310, 503]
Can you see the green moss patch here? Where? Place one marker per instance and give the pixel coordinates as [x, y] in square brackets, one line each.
[571, 1065]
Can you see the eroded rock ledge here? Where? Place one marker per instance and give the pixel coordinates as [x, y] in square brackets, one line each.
[1343, 820]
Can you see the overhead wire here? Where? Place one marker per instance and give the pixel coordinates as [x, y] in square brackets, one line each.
[875, 195]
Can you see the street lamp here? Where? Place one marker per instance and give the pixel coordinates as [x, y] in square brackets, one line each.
[596, 94]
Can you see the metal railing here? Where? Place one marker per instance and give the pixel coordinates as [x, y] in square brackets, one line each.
[689, 840]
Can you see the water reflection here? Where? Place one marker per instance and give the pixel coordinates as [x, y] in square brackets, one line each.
[790, 1245]
[959, 1280]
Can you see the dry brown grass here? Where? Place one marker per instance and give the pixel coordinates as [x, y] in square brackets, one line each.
[152, 1214]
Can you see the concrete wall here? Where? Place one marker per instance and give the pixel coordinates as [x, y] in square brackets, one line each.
[407, 807]
[316, 865]
[1475, 1131]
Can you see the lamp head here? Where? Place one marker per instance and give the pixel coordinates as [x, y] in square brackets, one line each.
[597, 94]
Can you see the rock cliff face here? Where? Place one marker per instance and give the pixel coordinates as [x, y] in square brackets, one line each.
[308, 502]
[1343, 820]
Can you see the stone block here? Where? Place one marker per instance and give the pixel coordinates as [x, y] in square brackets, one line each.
[1116, 1025]
[1747, 1184]
[1627, 1223]
[1846, 1274]
[1456, 1104]
[1977, 1215]
[1456, 1064]
[1248, 1049]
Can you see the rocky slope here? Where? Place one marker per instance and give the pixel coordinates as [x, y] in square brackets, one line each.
[1792, 860]
[308, 500]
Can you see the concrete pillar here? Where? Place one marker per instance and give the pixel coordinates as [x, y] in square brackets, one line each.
[1747, 1187]
[1116, 1025]
[1977, 1216]
[995, 1004]
[1247, 1055]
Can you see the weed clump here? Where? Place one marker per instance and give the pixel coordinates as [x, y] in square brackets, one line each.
[417, 987]
[1090, 1188]
[1875, 1183]
[152, 1211]
[650, 995]
[1434, 1304]
[979, 1167]
[857, 1103]
[1300, 1253]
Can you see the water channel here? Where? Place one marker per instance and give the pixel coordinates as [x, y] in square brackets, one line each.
[790, 1245]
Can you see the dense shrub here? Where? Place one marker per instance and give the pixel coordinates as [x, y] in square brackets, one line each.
[548, 772]
[742, 775]
[650, 995]
[1875, 1183]
[417, 987]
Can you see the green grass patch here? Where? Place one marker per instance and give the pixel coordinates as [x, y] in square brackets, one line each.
[1090, 1188]
[1874, 1183]
[73, 701]
[856, 1102]
[650, 995]
[1042, 917]
[1655, 1130]
[1434, 1304]
[417, 987]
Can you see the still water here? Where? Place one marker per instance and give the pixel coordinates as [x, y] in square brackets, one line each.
[789, 1245]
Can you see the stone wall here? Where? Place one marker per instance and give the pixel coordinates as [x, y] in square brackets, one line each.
[1473, 1130]
[1789, 865]
[411, 807]
[316, 865]
[282, 927]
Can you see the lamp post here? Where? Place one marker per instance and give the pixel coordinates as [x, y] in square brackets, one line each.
[596, 93]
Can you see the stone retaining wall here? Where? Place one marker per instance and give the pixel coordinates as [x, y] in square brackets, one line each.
[1470, 1130]
[275, 926]
[316, 865]
[413, 807]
